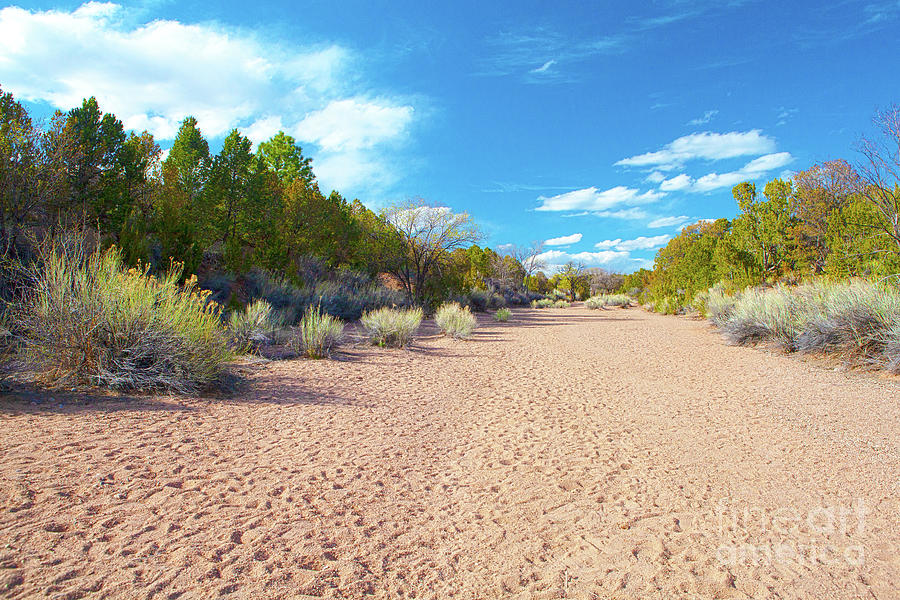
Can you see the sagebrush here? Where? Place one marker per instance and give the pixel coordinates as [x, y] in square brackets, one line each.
[390, 326]
[318, 334]
[454, 320]
[85, 319]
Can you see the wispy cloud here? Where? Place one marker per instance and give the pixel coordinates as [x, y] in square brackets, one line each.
[564, 240]
[668, 222]
[517, 53]
[544, 67]
[706, 118]
[592, 200]
[638, 243]
[754, 169]
[706, 145]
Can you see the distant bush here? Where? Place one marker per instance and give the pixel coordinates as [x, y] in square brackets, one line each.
[254, 326]
[454, 320]
[318, 334]
[86, 320]
[601, 300]
[858, 319]
[345, 294]
[543, 303]
[502, 315]
[561, 304]
[391, 327]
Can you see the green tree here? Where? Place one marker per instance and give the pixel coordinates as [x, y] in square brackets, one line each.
[285, 158]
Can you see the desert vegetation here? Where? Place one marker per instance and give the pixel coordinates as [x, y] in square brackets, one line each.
[318, 334]
[502, 315]
[454, 320]
[85, 319]
[392, 327]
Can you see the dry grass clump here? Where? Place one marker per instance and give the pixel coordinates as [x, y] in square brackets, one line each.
[602, 300]
[502, 315]
[454, 320]
[317, 335]
[390, 326]
[86, 320]
[858, 319]
[715, 304]
[254, 326]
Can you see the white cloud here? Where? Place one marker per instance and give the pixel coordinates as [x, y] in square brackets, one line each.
[152, 75]
[639, 243]
[354, 124]
[668, 221]
[675, 184]
[706, 118]
[557, 258]
[752, 170]
[655, 177]
[592, 199]
[564, 240]
[707, 146]
[544, 67]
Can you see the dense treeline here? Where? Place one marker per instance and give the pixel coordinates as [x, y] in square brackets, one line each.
[222, 215]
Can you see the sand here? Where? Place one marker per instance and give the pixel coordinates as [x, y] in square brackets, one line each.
[566, 454]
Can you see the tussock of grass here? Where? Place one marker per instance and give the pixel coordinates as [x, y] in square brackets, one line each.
[858, 319]
[602, 300]
[454, 320]
[86, 320]
[318, 334]
[561, 304]
[254, 326]
[502, 315]
[391, 327]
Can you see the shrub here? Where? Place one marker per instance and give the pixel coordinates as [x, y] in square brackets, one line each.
[543, 303]
[86, 320]
[668, 305]
[859, 319]
[715, 304]
[502, 315]
[254, 326]
[346, 295]
[561, 304]
[390, 326]
[318, 334]
[454, 320]
[601, 300]
[775, 314]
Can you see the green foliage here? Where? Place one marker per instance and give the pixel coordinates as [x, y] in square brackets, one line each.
[454, 320]
[502, 315]
[318, 334]
[285, 158]
[86, 320]
[391, 327]
[543, 303]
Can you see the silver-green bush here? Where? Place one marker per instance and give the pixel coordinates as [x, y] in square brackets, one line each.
[502, 315]
[601, 300]
[317, 335]
[390, 326]
[454, 320]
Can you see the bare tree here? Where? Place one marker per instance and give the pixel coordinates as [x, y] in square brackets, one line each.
[603, 281]
[424, 236]
[574, 275]
[880, 171]
[530, 258]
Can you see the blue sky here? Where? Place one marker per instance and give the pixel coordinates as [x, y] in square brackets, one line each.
[601, 127]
